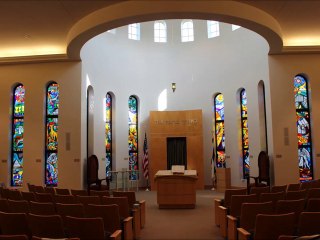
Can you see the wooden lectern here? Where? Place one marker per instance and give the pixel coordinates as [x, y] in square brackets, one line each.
[176, 190]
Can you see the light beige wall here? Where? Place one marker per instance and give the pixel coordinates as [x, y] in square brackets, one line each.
[283, 68]
[35, 78]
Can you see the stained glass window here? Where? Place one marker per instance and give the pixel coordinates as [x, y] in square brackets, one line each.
[51, 155]
[303, 128]
[244, 133]
[133, 137]
[219, 131]
[108, 132]
[17, 136]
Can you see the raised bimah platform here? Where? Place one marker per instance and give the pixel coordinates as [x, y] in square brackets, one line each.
[176, 190]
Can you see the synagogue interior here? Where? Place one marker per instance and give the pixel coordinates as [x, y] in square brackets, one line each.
[126, 81]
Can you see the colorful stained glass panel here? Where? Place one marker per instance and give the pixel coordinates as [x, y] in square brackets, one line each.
[300, 93]
[305, 167]
[52, 169]
[133, 138]
[18, 129]
[19, 101]
[53, 99]
[219, 107]
[17, 169]
[17, 136]
[244, 108]
[132, 110]
[108, 137]
[133, 165]
[244, 133]
[108, 108]
[220, 136]
[108, 162]
[246, 161]
[221, 159]
[303, 128]
[52, 133]
[219, 131]
[245, 137]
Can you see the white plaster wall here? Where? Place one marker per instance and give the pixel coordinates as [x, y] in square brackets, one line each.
[200, 69]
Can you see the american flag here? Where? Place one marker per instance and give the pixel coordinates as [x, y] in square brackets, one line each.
[145, 161]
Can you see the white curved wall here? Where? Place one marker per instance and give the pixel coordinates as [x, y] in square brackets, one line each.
[200, 69]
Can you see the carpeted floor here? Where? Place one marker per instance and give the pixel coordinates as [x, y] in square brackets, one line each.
[180, 224]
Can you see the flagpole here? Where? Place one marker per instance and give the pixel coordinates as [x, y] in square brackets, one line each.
[145, 161]
[147, 189]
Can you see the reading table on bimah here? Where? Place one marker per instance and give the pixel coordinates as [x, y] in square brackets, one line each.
[176, 190]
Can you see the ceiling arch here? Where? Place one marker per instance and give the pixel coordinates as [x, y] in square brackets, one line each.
[127, 12]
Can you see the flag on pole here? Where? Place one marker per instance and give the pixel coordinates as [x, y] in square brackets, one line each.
[145, 160]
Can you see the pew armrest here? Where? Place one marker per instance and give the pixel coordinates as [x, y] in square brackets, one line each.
[116, 235]
[217, 203]
[136, 223]
[127, 228]
[223, 221]
[142, 213]
[232, 227]
[287, 237]
[243, 234]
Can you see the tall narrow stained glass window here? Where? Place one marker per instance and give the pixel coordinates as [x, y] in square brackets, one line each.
[51, 154]
[108, 133]
[303, 128]
[133, 137]
[219, 131]
[17, 136]
[244, 133]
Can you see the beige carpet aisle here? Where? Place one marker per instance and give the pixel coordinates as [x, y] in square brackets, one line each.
[180, 224]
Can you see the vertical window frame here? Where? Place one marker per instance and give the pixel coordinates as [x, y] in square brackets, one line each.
[108, 121]
[49, 152]
[245, 147]
[220, 163]
[301, 147]
[13, 128]
[133, 154]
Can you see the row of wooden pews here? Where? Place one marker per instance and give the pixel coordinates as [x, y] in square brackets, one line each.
[54, 227]
[119, 211]
[243, 215]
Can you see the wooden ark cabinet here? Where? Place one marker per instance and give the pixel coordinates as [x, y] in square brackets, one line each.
[166, 124]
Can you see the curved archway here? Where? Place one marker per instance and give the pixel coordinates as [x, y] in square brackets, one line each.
[139, 11]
